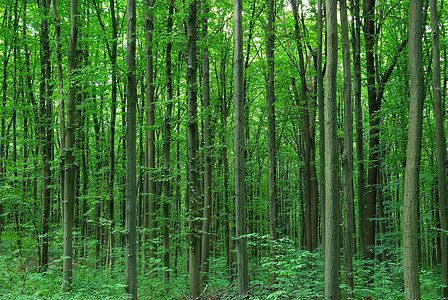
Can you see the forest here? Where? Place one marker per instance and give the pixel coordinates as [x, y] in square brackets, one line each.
[256, 149]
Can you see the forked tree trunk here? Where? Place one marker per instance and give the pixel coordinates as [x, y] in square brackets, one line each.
[413, 154]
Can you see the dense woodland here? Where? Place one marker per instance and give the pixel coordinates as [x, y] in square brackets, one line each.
[249, 149]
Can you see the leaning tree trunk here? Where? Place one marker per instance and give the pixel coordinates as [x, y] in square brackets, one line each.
[413, 154]
[70, 169]
[332, 243]
[441, 146]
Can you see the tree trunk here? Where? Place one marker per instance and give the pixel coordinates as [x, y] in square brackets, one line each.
[150, 152]
[239, 149]
[207, 214]
[374, 107]
[320, 97]
[167, 150]
[441, 145]
[70, 169]
[44, 132]
[413, 154]
[310, 202]
[347, 156]
[194, 189]
[332, 243]
[356, 44]
[131, 162]
[271, 138]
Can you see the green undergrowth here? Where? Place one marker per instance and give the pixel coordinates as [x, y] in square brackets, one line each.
[288, 273]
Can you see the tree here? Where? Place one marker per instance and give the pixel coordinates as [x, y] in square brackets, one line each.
[347, 156]
[207, 214]
[413, 153]
[271, 138]
[70, 169]
[150, 151]
[194, 188]
[440, 138]
[239, 149]
[332, 244]
[45, 133]
[131, 186]
[167, 148]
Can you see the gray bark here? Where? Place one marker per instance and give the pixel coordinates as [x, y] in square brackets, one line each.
[194, 188]
[239, 149]
[441, 144]
[347, 156]
[131, 162]
[332, 242]
[413, 154]
[70, 169]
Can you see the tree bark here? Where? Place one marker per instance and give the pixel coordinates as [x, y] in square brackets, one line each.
[332, 243]
[441, 145]
[413, 154]
[194, 189]
[320, 97]
[374, 107]
[167, 150]
[207, 214]
[347, 156]
[239, 149]
[70, 169]
[131, 162]
[271, 136]
[150, 152]
[356, 44]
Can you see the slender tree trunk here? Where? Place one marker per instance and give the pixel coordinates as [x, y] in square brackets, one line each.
[413, 154]
[194, 189]
[441, 144]
[271, 138]
[356, 44]
[45, 130]
[113, 58]
[150, 151]
[374, 107]
[131, 161]
[347, 156]
[167, 150]
[207, 214]
[310, 202]
[70, 175]
[239, 148]
[332, 243]
[320, 97]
